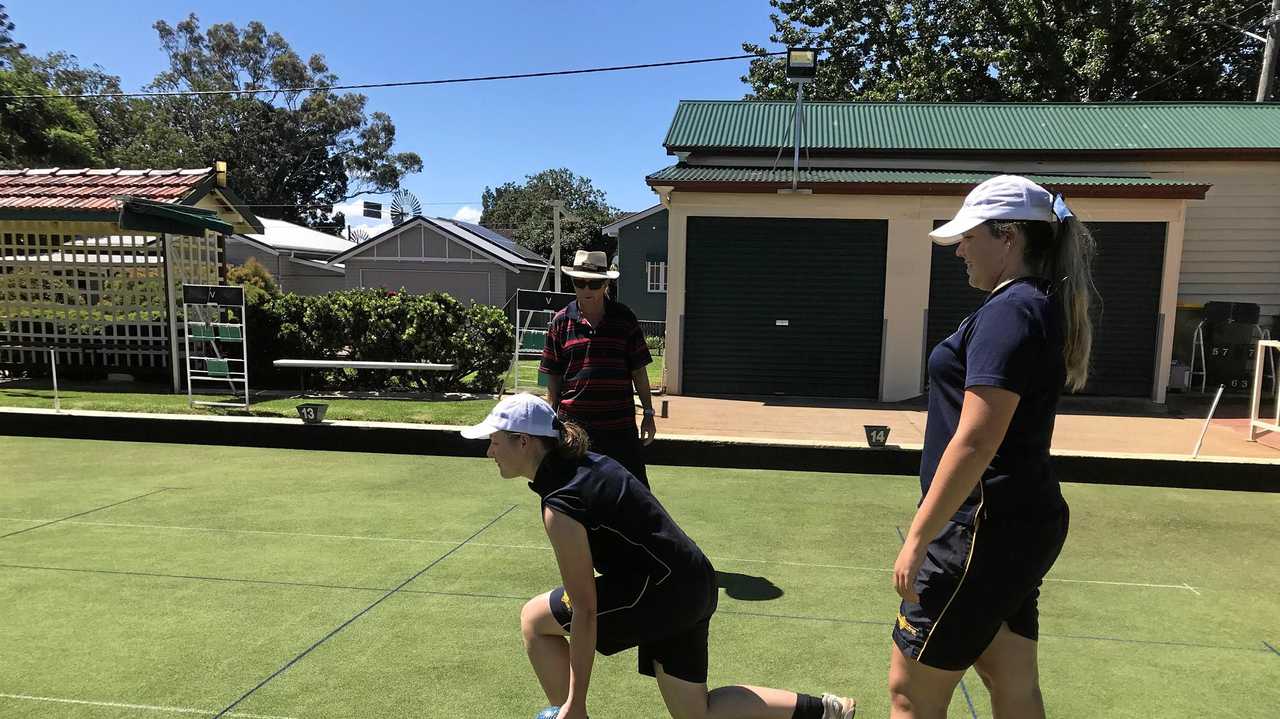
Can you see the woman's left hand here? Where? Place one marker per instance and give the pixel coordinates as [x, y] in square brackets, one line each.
[906, 568]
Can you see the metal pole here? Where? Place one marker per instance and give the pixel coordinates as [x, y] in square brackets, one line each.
[795, 133]
[172, 309]
[1196, 453]
[53, 365]
[515, 356]
[555, 251]
[1269, 55]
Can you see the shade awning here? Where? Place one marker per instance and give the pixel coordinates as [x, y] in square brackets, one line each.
[139, 214]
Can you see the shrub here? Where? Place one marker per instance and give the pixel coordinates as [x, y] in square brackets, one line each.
[382, 326]
[256, 279]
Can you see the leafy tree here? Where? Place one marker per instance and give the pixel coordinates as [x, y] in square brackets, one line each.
[522, 208]
[113, 119]
[256, 279]
[293, 153]
[8, 46]
[1019, 50]
[41, 131]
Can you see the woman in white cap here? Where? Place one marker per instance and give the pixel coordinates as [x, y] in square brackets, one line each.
[656, 590]
[992, 520]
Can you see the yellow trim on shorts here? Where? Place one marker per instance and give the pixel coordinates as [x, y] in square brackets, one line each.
[977, 521]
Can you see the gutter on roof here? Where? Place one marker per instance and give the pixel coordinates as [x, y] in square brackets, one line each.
[1230, 153]
[957, 189]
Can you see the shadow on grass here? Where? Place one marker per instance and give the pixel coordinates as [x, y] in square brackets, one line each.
[747, 588]
[27, 395]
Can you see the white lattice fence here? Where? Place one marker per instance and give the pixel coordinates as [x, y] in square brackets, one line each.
[93, 291]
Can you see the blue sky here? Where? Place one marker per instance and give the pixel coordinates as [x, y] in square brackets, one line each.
[608, 127]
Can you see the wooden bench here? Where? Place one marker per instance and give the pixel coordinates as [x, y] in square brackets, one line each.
[304, 364]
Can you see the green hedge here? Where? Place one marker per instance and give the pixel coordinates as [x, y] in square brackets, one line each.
[381, 326]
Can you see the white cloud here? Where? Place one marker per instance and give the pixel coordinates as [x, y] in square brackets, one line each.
[350, 209]
[467, 213]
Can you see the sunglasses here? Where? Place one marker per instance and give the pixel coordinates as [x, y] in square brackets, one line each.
[588, 284]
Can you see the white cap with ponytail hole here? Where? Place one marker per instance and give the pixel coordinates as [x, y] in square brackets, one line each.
[520, 413]
[1005, 197]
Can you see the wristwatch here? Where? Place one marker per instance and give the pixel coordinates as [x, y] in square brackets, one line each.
[648, 413]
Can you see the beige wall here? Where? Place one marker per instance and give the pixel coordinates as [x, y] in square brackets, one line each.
[1232, 248]
[907, 264]
[226, 211]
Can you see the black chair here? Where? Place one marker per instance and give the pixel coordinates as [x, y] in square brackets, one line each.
[1222, 316]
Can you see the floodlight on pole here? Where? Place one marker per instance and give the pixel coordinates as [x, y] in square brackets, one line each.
[802, 66]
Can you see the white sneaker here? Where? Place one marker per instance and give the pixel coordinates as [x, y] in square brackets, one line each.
[834, 707]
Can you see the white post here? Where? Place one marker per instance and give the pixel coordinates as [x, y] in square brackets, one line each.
[1256, 423]
[53, 366]
[1196, 453]
[172, 309]
[555, 248]
[515, 356]
[1255, 398]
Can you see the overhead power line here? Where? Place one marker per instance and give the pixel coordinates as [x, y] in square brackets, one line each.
[407, 83]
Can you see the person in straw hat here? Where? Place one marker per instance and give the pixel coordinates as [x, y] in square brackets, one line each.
[595, 355]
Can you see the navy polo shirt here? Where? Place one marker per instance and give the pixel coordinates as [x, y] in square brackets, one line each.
[1014, 341]
[629, 531]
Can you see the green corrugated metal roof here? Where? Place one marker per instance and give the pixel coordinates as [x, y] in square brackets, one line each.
[1100, 127]
[140, 214]
[686, 173]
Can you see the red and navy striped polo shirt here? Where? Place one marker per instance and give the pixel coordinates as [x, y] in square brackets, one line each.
[595, 364]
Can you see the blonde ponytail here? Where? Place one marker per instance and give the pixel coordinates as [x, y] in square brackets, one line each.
[1062, 253]
[572, 444]
[1071, 269]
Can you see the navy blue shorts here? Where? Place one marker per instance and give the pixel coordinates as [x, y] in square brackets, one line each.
[669, 623]
[973, 580]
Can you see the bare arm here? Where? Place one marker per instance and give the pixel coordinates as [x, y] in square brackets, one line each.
[648, 427]
[984, 419]
[573, 555]
[553, 390]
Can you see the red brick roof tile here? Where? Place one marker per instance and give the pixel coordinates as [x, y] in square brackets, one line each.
[85, 189]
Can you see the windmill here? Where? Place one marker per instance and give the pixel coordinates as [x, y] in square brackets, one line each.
[357, 234]
[404, 205]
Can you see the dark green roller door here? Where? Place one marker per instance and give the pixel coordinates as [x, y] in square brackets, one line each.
[784, 306]
[1127, 272]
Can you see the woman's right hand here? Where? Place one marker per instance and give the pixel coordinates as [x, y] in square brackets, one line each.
[907, 568]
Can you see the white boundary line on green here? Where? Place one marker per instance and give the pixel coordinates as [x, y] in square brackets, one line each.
[144, 707]
[1181, 587]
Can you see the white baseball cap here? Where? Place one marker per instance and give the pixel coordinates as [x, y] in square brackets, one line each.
[1005, 197]
[522, 413]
